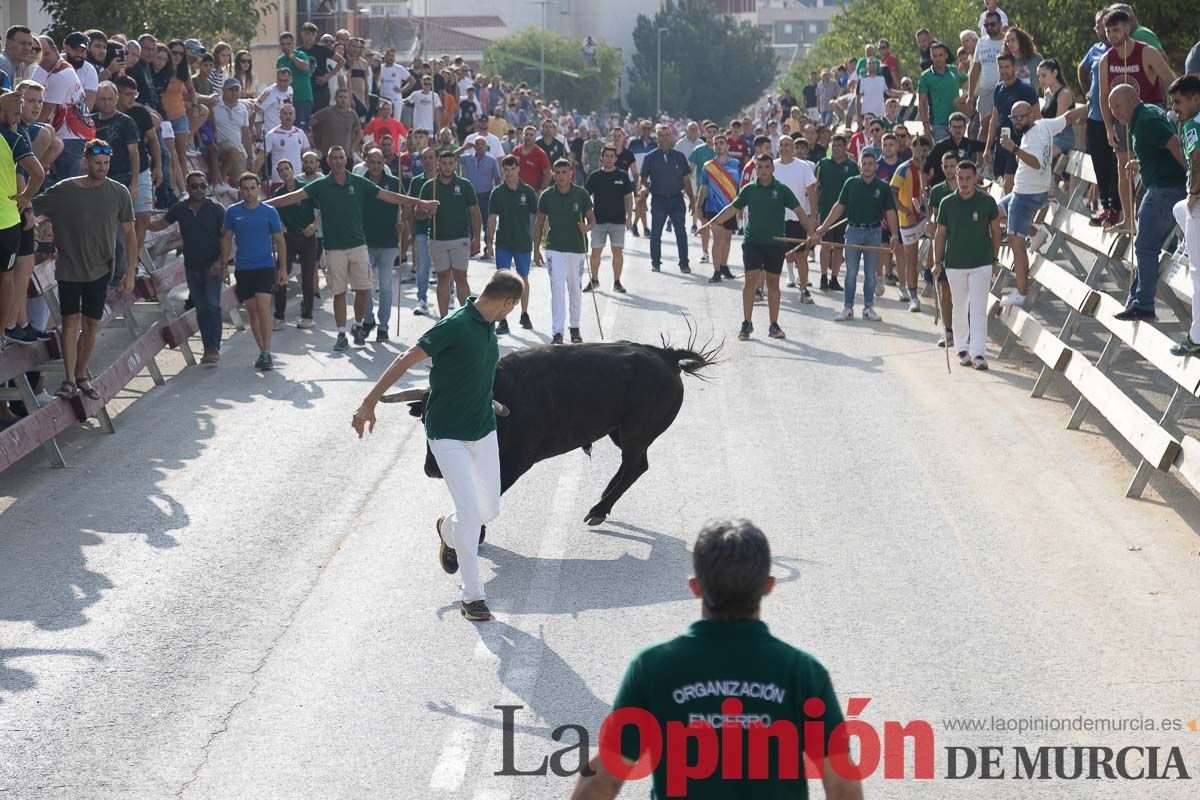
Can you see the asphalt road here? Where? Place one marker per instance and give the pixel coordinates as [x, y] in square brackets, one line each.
[235, 598]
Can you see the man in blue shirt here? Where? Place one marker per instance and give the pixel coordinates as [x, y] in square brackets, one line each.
[1008, 92]
[667, 175]
[256, 227]
[1104, 160]
[483, 172]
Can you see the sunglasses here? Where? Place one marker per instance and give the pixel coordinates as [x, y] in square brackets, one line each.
[99, 150]
[197, 185]
[177, 52]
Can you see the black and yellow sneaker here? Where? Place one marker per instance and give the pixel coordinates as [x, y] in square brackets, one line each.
[1186, 348]
[446, 555]
[476, 611]
[746, 330]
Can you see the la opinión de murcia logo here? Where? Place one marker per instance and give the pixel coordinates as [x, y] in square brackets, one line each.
[734, 745]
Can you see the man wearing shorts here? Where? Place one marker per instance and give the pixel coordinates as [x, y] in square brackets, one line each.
[260, 246]
[768, 200]
[612, 199]
[455, 228]
[511, 210]
[797, 175]
[832, 173]
[88, 210]
[565, 216]
[716, 189]
[341, 196]
[16, 223]
[908, 187]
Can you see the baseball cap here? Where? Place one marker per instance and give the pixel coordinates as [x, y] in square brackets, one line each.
[194, 46]
[231, 83]
[76, 39]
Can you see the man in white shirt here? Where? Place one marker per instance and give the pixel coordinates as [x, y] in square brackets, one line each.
[798, 175]
[275, 97]
[66, 108]
[495, 146]
[394, 78]
[985, 74]
[285, 142]
[425, 105]
[1032, 183]
[231, 120]
[75, 51]
[872, 90]
[686, 144]
[993, 6]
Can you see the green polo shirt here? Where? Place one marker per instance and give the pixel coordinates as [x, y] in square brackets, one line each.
[687, 678]
[298, 217]
[554, 150]
[513, 209]
[866, 203]
[342, 207]
[766, 204]
[942, 90]
[453, 218]
[564, 211]
[1149, 131]
[379, 218]
[938, 193]
[1190, 137]
[301, 81]
[420, 225]
[968, 226]
[831, 177]
[701, 155]
[464, 351]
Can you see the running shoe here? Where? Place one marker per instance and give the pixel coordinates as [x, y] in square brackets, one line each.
[775, 332]
[502, 327]
[726, 274]
[747, 329]
[963, 358]
[806, 297]
[446, 555]
[979, 363]
[618, 288]
[844, 314]
[1186, 348]
[476, 611]
[871, 315]
[834, 286]
[341, 343]
[305, 322]
[526, 323]
[576, 336]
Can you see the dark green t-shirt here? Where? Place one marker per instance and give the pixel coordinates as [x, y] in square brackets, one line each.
[866, 203]
[942, 90]
[938, 193]
[301, 81]
[831, 177]
[342, 207]
[453, 218]
[968, 229]
[1149, 131]
[564, 211]
[298, 217]
[554, 150]
[687, 678]
[421, 224]
[464, 351]
[767, 205]
[513, 208]
[379, 218]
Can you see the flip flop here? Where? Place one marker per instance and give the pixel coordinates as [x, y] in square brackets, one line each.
[85, 388]
[67, 390]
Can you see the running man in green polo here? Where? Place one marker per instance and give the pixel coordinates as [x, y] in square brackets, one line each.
[727, 665]
[460, 424]
[767, 200]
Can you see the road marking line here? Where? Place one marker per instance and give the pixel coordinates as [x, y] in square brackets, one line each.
[451, 767]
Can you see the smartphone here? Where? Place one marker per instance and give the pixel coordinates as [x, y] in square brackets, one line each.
[1006, 132]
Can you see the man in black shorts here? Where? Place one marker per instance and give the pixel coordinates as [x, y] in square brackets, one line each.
[832, 173]
[87, 212]
[768, 200]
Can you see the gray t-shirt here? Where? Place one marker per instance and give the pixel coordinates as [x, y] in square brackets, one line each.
[86, 222]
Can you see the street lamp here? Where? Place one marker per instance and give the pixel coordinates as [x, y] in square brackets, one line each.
[658, 99]
[543, 4]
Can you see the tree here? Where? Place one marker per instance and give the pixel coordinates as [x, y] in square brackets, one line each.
[568, 77]
[712, 66]
[168, 19]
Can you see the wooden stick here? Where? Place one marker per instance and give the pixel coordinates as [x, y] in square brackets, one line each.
[866, 247]
[595, 303]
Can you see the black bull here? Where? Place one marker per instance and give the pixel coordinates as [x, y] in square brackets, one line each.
[563, 398]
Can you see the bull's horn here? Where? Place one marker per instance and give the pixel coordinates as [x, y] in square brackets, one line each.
[405, 396]
[501, 409]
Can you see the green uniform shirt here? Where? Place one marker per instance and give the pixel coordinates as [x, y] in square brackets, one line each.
[1190, 137]
[938, 193]
[1149, 131]
[553, 149]
[453, 218]
[298, 217]
[700, 156]
[1144, 34]
[514, 209]
[379, 218]
[564, 211]
[866, 203]
[687, 678]
[420, 226]
[767, 204]
[464, 351]
[301, 81]
[831, 177]
[942, 90]
[342, 207]
[968, 229]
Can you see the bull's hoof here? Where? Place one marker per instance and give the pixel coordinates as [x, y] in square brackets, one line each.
[594, 519]
[482, 533]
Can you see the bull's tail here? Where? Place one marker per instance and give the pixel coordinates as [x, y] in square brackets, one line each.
[693, 357]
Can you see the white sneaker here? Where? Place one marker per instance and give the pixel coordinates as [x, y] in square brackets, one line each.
[904, 295]
[421, 309]
[1013, 298]
[946, 339]
[879, 287]
[844, 314]
[914, 304]
[305, 322]
[871, 314]
[278, 325]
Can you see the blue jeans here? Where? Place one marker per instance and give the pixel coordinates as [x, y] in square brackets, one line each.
[940, 132]
[424, 264]
[304, 110]
[69, 163]
[206, 297]
[383, 275]
[867, 258]
[662, 207]
[826, 117]
[1155, 221]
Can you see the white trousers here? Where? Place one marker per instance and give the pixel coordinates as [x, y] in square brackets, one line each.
[472, 474]
[565, 269]
[969, 290]
[1190, 223]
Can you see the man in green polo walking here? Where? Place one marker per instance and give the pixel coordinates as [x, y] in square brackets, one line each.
[460, 424]
[456, 227]
[564, 216]
[511, 210]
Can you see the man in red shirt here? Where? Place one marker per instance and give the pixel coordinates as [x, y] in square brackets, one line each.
[534, 168]
[739, 148]
[385, 123]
